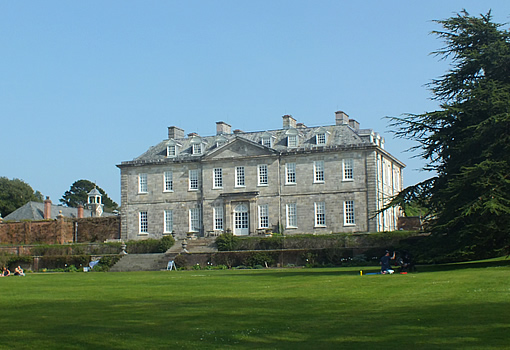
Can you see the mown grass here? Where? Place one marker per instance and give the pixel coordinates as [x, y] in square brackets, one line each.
[334, 308]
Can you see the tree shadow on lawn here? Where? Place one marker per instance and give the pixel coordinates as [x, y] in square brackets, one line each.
[479, 264]
[274, 323]
[351, 271]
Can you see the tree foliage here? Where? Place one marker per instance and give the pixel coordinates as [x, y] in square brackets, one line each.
[16, 193]
[78, 194]
[466, 143]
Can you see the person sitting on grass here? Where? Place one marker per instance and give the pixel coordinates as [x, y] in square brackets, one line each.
[18, 271]
[385, 263]
[6, 272]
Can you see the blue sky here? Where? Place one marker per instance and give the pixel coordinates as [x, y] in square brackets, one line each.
[85, 85]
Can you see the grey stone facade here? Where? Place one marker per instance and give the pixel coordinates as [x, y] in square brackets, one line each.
[297, 179]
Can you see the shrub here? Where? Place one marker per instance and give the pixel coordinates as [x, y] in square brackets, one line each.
[180, 261]
[166, 243]
[227, 242]
[259, 259]
[106, 262]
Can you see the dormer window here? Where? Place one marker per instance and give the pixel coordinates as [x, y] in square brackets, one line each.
[221, 140]
[172, 148]
[197, 148]
[196, 145]
[320, 139]
[292, 141]
[266, 139]
[171, 151]
[321, 136]
[292, 138]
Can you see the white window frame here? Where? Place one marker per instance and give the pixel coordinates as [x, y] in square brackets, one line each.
[194, 220]
[349, 217]
[142, 183]
[292, 140]
[320, 214]
[171, 150]
[320, 139]
[218, 218]
[262, 175]
[240, 176]
[348, 169]
[263, 216]
[168, 181]
[193, 179]
[217, 178]
[290, 173]
[168, 223]
[196, 148]
[291, 215]
[318, 171]
[266, 141]
[143, 223]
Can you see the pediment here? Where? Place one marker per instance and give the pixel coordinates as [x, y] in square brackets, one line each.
[239, 147]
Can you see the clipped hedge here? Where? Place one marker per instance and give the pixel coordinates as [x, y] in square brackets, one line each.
[76, 249]
[134, 247]
[341, 240]
[62, 261]
[148, 246]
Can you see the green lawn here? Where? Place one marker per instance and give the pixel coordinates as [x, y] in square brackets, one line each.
[334, 308]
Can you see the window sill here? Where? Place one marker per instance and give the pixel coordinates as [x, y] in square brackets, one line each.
[262, 185]
[240, 186]
[143, 233]
[193, 189]
[320, 226]
[217, 188]
[291, 184]
[347, 180]
[318, 182]
[291, 227]
[168, 191]
[349, 225]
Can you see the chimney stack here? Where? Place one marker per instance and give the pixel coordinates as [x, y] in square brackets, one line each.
[222, 128]
[341, 118]
[80, 211]
[288, 122]
[175, 133]
[353, 123]
[47, 208]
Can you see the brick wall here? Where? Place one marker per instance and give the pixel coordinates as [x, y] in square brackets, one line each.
[60, 231]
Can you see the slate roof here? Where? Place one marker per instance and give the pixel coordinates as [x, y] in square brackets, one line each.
[337, 136]
[35, 211]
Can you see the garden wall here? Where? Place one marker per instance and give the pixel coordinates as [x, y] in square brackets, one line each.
[60, 231]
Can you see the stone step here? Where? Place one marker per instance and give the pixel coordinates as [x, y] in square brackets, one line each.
[142, 262]
[159, 261]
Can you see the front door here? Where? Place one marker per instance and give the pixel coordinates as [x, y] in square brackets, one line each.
[241, 220]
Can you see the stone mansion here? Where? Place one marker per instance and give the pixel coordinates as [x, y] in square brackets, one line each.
[298, 179]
